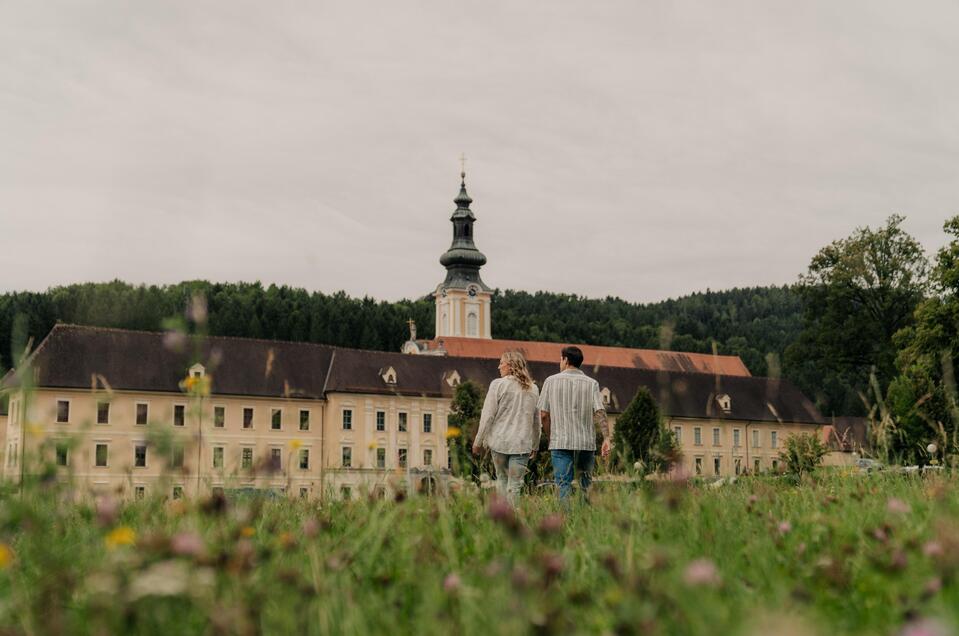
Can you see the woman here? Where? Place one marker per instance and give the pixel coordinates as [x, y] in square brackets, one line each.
[509, 425]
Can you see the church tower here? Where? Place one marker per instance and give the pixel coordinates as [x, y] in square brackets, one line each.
[463, 299]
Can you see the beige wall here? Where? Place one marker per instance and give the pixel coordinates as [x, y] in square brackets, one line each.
[363, 440]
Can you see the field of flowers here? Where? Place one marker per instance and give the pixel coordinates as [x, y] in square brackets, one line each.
[869, 554]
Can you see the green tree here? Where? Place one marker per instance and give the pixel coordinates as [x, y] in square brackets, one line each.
[640, 435]
[465, 409]
[925, 397]
[857, 294]
[802, 454]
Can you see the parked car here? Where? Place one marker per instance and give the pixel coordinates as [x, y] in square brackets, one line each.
[867, 465]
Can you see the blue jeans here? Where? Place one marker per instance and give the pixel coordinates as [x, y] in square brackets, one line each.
[510, 474]
[564, 462]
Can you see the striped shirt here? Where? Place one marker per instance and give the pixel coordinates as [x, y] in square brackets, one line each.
[571, 397]
[509, 423]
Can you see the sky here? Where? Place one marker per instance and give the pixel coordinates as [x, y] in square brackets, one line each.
[645, 150]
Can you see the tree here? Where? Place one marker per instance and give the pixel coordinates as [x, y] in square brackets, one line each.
[463, 421]
[857, 294]
[802, 453]
[640, 435]
[925, 397]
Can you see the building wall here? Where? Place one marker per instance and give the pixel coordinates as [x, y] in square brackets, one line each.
[198, 437]
[456, 307]
[363, 440]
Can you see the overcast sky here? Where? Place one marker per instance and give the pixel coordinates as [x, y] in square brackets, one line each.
[639, 149]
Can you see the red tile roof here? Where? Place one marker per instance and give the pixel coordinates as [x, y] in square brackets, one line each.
[595, 356]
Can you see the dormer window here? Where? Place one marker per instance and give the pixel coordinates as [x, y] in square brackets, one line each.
[197, 371]
[607, 396]
[389, 376]
[453, 379]
[725, 403]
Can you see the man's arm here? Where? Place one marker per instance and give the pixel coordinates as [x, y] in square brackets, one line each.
[599, 419]
[544, 419]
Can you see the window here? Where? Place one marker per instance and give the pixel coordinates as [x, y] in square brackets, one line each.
[381, 420]
[63, 411]
[179, 414]
[402, 426]
[143, 412]
[61, 454]
[347, 420]
[304, 459]
[756, 466]
[698, 436]
[218, 457]
[246, 458]
[775, 465]
[248, 417]
[402, 457]
[381, 458]
[304, 420]
[276, 458]
[178, 492]
[140, 455]
[427, 456]
[346, 492]
[715, 437]
[347, 457]
[219, 416]
[678, 430]
[774, 439]
[101, 455]
[304, 493]
[472, 324]
[716, 465]
[276, 419]
[139, 492]
[699, 465]
[103, 412]
[755, 439]
[738, 463]
[427, 422]
[736, 439]
[176, 457]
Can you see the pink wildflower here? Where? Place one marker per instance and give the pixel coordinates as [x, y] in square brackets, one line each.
[702, 573]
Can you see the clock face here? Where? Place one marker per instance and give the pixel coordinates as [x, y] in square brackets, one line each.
[472, 290]
[443, 292]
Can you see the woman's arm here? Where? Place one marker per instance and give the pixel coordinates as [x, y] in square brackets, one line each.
[490, 407]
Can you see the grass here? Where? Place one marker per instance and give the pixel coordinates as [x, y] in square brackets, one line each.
[847, 554]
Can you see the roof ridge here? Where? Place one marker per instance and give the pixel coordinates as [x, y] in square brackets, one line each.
[161, 333]
[598, 346]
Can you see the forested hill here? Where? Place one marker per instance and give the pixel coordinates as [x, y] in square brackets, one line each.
[751, 323]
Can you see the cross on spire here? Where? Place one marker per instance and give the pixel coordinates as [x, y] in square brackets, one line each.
[463, 165]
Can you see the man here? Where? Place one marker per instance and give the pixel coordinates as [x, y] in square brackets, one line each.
[571, 407]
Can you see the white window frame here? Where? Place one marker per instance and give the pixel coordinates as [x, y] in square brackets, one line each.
[252, 426]
[424, 419]
[773, 439]
[399, 420]
[299, 459]
[343, 412]
[309, 417]
[717, 436]
[737, 438]
[717, 465]
[136, 407]
[146, 454]
[105, 445]
[376, 457]
[343, 449]
[56, 413]
[678, 432]
[173, 414]
[280, 455]
[109, 412]
[215, 407]
[222, 450]
[65, 445]
[376, 424]
[698, 465]
[697, 436]
[757, 438]
[273, 411]
[252, 449]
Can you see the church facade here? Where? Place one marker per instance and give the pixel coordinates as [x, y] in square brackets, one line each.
[141, 412]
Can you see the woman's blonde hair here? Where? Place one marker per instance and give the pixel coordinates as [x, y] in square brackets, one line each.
[518, 368]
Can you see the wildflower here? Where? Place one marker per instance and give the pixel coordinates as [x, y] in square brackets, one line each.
[311, 528]
[551, 524]
[784, 527]
[452, 583]
[520, 577]
[925, 627]
[296, 444]
[453, 431]
[247, 531]
[106, 508]
[197, 309]
[933, 549]
[371, 445]
[174, 340]
[553, 565]
[286, 540]
[501, 512]
[124, 535]
[897, 506]
[6, 556]
[702, 573]
[187, 544]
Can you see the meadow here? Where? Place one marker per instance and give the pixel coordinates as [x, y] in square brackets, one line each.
[837, 553]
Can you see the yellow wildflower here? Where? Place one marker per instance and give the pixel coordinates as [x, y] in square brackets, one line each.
[248, 531]
[371, 445]
[124, 535]
[295, 444]
[453, 431]
[6, 556]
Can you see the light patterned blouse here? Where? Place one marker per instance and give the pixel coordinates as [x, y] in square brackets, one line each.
[510, 422]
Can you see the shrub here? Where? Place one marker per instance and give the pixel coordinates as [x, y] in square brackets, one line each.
[802, 454]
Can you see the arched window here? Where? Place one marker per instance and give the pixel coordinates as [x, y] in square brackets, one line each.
[443, 323]
[472, 324]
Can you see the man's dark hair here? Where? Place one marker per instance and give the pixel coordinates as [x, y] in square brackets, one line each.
[573, 355]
